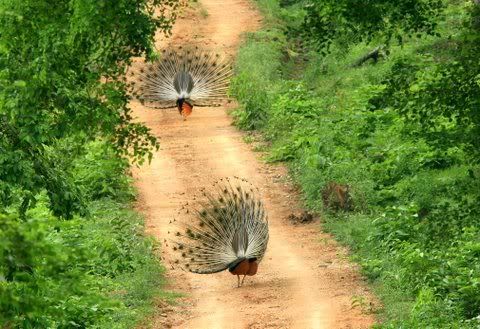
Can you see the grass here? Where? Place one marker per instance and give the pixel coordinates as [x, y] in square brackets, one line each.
[354, 232]
[143, 282]
[415, 219]
[98, 270]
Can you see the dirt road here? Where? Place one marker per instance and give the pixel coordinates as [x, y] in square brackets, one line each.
[304, 280]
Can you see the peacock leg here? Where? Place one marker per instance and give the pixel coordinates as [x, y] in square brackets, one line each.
[238, 284]
[243, 279]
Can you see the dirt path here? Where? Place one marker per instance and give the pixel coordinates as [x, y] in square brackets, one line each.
[304, 280]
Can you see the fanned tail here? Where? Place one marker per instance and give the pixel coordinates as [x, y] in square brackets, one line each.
[187, 73]
[227, 224]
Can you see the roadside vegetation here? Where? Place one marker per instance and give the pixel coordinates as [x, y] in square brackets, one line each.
[382, 100]
[72, 252]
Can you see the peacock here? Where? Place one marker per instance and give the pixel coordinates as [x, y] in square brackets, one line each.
[225, 228]
[182, 78]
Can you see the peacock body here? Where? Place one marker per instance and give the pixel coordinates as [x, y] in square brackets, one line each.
[226, 228]
[183, 78]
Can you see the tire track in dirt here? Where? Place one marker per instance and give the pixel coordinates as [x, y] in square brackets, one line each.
[304, 280]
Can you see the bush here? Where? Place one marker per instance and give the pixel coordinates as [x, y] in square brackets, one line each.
[92, 271]
[401, 132]
[102, 175]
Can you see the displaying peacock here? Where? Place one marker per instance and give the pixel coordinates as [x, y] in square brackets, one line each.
[225, 228]
[182, 78]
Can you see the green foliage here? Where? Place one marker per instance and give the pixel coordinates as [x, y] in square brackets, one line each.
[66, 138]
[77, 273]
[31, 294]
[263, 64]
[402, 133]
[96, 271]
[443, 101]
[326, 21]
[61, 76]
[101, 174]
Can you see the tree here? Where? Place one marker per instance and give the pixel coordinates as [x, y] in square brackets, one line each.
[62, 73]
[326, 20]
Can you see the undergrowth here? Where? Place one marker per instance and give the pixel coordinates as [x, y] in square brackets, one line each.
[93, 271]
[401, 133]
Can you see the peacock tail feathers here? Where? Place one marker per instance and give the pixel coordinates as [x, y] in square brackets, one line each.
[191, 74]
[226, 224]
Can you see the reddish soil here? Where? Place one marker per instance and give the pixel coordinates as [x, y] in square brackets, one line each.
[305, 279]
